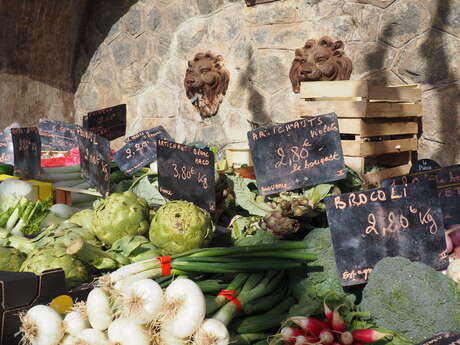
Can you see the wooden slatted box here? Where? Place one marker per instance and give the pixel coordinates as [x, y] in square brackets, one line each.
[378, 124]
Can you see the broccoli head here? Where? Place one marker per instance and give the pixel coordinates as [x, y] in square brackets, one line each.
[411, 298]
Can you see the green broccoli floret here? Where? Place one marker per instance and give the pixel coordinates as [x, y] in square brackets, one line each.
[321, 279]
[411, 298]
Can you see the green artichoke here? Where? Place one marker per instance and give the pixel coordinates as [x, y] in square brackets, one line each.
[119, 215]
[53, 258]
[11, 259]
[83, 218]
[179, 226]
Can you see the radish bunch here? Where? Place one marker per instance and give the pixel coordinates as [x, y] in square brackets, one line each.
[138, 314]
[453, 240]
[453, 248]
[332, 331]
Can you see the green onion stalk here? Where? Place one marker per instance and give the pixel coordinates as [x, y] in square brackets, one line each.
[244, 259]
[250, 292]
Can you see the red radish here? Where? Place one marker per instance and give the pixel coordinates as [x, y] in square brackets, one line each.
[449, 244]
[326, 337]
[346, 338]
[290, 334]
[300, 340]
[454, 233]
[310, 325]
[327, 313]
[337, 321]
[457, 253]
[336, 343]
[311, 339]
[368, 335]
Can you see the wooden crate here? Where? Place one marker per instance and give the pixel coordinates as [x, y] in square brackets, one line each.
[64, 194]
[378, 124]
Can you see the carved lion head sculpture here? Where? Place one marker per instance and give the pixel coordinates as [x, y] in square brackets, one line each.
[206, 82]
[319, 61]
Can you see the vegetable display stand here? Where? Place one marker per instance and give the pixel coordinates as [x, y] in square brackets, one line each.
[379, 125]
[64, 194]
[237, 157]
[20, 291]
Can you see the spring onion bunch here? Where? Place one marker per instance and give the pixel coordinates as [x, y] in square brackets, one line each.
[249, 259]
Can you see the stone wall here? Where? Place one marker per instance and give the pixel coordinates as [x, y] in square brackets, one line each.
[37, 52]
[140, 59]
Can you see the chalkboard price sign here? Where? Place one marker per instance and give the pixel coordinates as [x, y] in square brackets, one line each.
[94, 160]
[57, 135]
[448, 180]
[367, 226]
[297, 154]
[424, 165]
[443, 338]
[27, 151]
[186, 173]
[109, 123]
[448, 183]
[140, 150]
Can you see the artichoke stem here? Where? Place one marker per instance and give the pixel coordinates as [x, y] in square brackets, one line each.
[91, 255]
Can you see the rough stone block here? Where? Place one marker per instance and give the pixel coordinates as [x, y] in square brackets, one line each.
[433, 58]
[404, 21]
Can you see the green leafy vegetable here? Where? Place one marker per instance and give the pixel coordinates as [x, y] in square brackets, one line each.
[136, 248]
[149, 191]
[318, 193]
[321, 281]
[411, 298]
[11, 259]
[246, 199]
[259, 237]
[83, 218]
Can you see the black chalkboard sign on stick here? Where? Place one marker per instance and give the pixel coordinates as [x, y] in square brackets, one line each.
[57, 135]
[448, 185]
[27, 151]
[367, 226]
[109, 123]
[140, 150]
[443, 338]
[94, 160]
[297, 154]
[448, 181]
[186, 173]
[424, 165]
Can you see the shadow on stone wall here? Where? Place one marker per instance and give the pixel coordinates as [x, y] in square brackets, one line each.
[439, 71]
[256, 101]
[104, 17]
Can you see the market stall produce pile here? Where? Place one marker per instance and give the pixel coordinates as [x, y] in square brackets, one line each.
[260, 270]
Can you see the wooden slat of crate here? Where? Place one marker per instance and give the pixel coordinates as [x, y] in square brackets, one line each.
[359, 88]
[239, 157]
[341, 108]
[399, 94]
[327, 89]
[375, 109]
[373, 180]
[359, 109]
[362, 149]
[389, 159]
[359, 127]
[63, 194]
